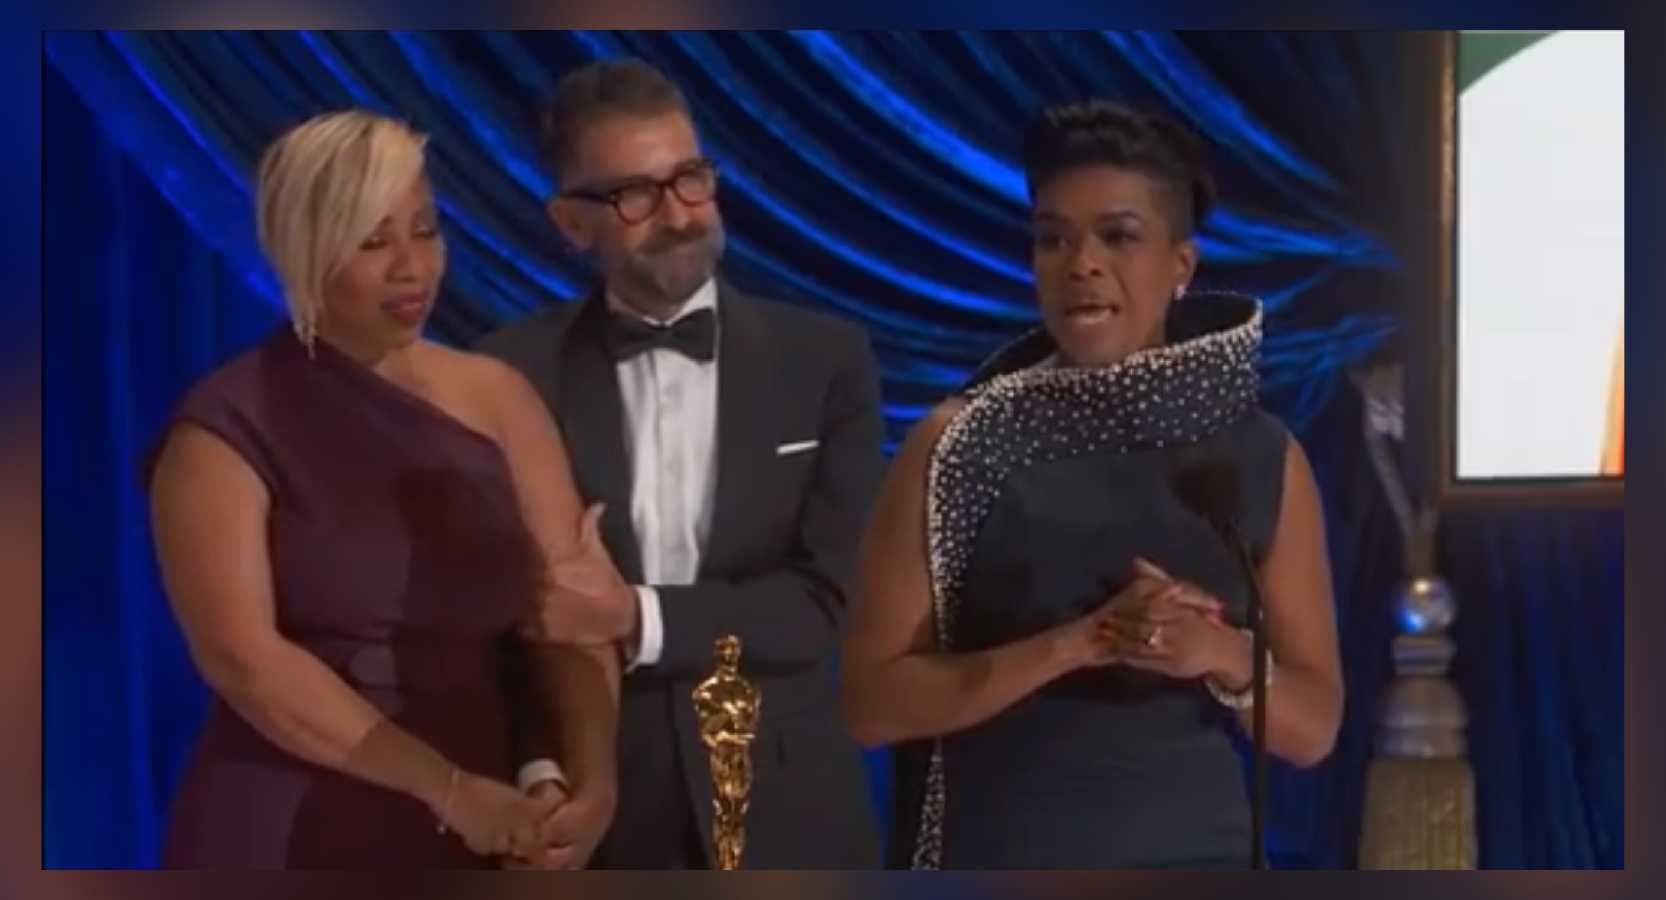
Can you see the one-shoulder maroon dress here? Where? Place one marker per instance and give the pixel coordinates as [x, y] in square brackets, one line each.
[399, 558]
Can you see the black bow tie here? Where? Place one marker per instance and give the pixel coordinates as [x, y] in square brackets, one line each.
[693, 335]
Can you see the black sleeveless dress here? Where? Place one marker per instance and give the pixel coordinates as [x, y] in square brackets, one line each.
[1043, 490]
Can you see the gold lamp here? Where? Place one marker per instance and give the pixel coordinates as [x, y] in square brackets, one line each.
[1420, 790]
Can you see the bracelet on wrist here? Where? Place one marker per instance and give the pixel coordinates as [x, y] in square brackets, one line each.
[1242, 698]
[542, 771]
[453, 778]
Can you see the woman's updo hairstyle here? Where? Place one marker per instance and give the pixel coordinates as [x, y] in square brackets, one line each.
[1091, 133]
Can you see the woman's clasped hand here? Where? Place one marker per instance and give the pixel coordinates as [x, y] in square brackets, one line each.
[1155, 623]
[496, 820]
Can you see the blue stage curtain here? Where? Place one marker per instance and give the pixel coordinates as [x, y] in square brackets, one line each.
[870, 174]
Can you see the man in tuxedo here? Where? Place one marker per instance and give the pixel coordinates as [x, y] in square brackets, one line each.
[736, 444]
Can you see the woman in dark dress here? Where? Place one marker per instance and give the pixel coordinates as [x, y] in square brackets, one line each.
[1044, 631]
[350, 520]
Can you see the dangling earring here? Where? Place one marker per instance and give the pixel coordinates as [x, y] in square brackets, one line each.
[306, 330]
[1180, 292]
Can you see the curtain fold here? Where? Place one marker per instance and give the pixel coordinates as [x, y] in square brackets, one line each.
[872, 174]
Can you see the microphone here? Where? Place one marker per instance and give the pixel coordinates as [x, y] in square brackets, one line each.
[1213, 491]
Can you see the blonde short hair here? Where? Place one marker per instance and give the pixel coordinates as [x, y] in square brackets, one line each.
[323, 188]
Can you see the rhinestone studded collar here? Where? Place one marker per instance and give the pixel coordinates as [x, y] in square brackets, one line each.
[1021, 410]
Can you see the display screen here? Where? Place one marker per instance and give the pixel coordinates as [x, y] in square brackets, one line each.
[1539, 256]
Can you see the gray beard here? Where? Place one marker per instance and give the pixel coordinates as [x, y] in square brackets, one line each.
[654, 285]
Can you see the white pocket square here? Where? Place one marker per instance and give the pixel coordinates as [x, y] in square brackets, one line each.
[796, 448]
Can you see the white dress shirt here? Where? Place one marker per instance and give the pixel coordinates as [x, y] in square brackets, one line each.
[670, 417]
[670, 433]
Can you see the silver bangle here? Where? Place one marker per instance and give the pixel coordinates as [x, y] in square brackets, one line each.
[1244, 699]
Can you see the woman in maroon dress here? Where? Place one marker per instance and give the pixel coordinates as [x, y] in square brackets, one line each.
[350, 521]
[20, 623]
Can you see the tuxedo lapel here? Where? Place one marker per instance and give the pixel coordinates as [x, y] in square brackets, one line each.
[592, 416]
[744, 413]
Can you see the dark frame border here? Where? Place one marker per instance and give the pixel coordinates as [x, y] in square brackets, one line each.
[1434, 322]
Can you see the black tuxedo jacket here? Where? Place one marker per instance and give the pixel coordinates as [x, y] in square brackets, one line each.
[776, 571]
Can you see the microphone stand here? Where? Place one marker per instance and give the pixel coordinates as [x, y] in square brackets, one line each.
[1258, 696]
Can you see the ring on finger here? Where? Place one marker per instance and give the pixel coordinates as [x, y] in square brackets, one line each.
[1156, 636]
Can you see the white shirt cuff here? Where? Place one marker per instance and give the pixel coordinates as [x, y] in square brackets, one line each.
[539, 771]
[651, 643]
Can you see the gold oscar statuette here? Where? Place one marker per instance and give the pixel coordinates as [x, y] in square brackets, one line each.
[727, 706]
